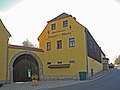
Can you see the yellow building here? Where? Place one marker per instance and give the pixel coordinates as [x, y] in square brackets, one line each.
[24, 62]
[70, 50]
[18, 63]
[4, 37]
[67, 51]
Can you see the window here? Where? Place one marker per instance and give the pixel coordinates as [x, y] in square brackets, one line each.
[65, 23]
[49, 46]
[59, 62]
[72, 42]
[53, 26]
[59, 44]
[48, 63]
[71, 61]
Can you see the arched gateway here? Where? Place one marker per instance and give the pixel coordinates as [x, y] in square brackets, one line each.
[23, 65]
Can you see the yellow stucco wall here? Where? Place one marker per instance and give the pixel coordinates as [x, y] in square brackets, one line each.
[66, 54]
[4, 36]
[93, 64]
[14, 51]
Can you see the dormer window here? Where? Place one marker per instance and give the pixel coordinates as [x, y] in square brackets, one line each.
[53, 26]
[65, 23]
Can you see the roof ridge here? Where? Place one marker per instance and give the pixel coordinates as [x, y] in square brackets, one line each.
[63, 15]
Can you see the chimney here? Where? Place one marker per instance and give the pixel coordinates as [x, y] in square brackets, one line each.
[74, 18]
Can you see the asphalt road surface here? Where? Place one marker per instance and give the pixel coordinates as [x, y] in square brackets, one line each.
[110, 81]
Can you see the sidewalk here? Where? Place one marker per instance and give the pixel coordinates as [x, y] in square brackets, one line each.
[99, 74]
[43, 85]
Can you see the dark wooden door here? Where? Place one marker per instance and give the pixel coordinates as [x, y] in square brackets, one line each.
[23, 68]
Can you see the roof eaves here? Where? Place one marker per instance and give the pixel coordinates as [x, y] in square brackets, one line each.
[25, 48]
[5, 28]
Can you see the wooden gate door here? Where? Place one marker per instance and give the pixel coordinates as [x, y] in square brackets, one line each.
[23, 68]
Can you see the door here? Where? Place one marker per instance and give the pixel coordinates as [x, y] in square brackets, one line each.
[23, 68]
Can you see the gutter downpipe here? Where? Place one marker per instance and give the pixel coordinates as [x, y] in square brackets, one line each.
[86, 53]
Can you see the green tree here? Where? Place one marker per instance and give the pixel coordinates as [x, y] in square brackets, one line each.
[27, 43]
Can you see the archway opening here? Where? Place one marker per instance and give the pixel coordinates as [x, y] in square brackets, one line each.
[24, 67]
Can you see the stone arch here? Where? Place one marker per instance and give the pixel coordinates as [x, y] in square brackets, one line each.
[27, 53]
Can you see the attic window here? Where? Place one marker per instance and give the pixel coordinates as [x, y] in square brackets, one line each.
[65, 23]
[53, 26]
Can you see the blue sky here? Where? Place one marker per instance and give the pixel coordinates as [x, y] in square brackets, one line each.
[25, 19]
[7, 4]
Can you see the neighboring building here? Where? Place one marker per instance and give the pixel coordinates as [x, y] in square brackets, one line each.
[69, 49]
[117, 61]
[4, 38]
[111, 65]
[105, 63]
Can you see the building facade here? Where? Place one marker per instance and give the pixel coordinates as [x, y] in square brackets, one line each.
[18, 63]
[24, 62]
[69, 49]
[66, 50]
[4, 38]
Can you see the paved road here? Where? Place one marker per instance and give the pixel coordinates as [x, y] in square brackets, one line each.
[69, 84]
[110, 81]
[42, 85]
